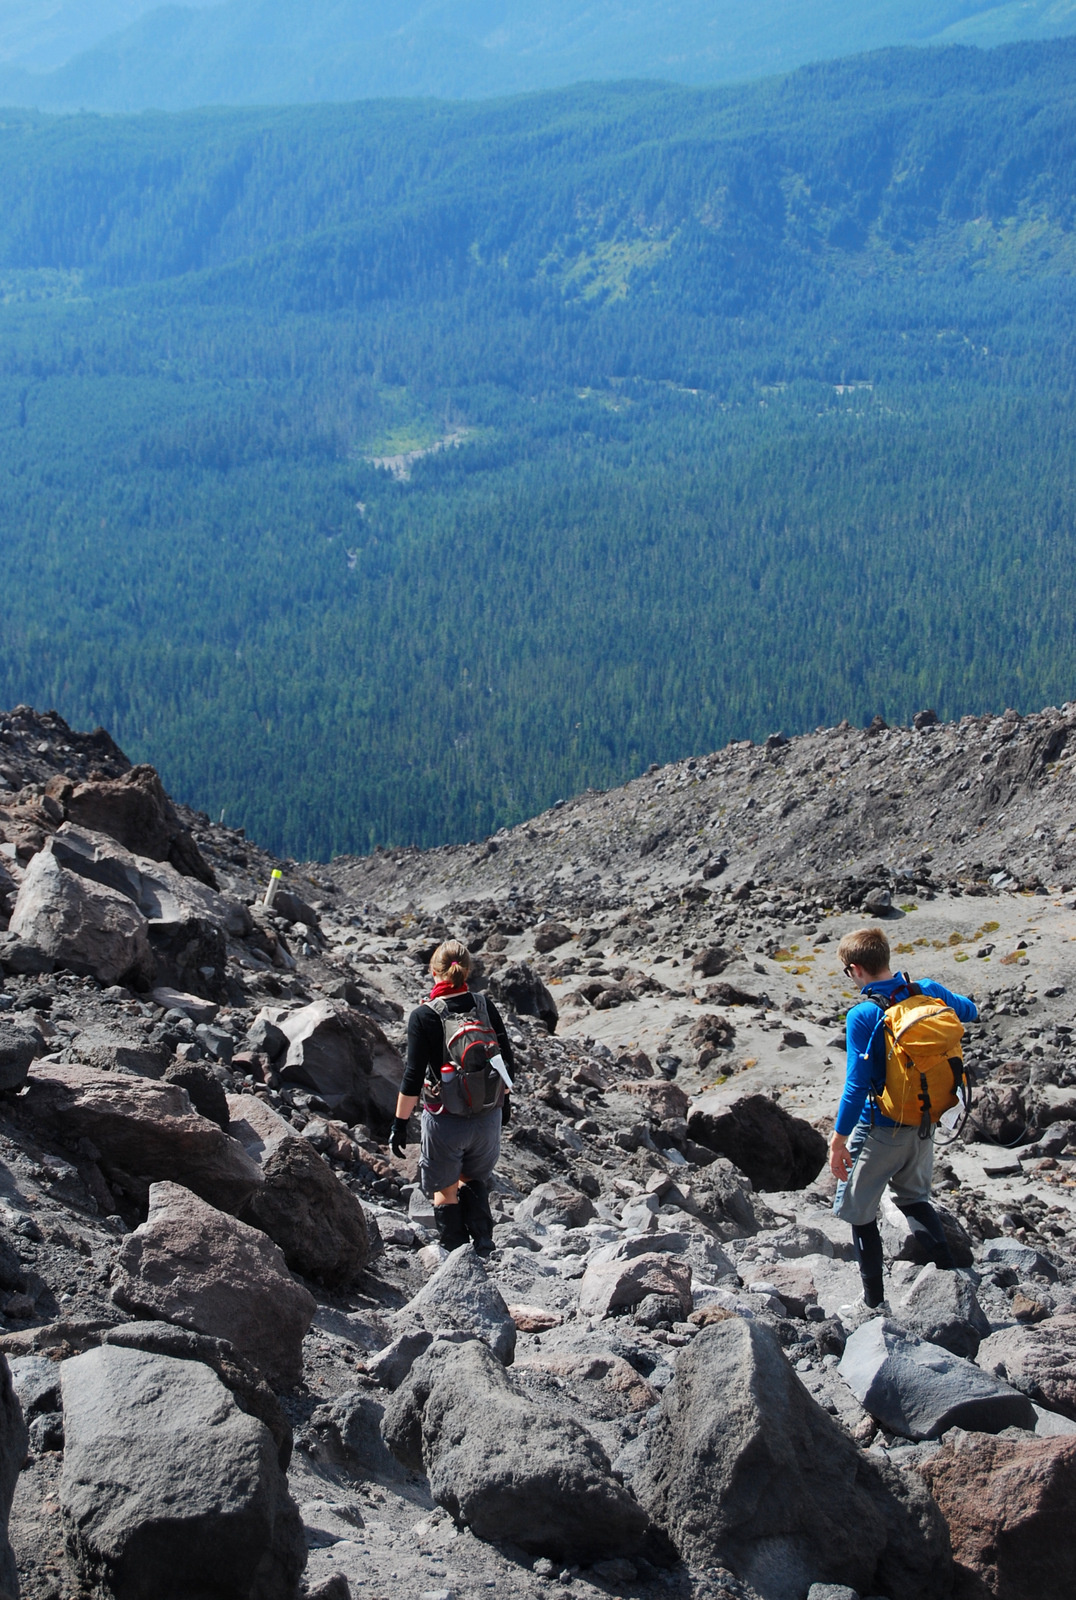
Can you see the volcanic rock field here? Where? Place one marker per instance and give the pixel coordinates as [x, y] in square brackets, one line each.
[238, 1366]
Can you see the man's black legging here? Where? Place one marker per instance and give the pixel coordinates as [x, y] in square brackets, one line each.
[923, 1213]
[867, 1243]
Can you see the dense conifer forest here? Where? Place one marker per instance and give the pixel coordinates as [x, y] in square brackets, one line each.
[708, 412]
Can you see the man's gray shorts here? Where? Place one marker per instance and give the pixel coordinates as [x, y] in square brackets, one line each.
[896, 1157]
[452, 1146]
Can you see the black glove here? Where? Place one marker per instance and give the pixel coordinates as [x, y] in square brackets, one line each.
[398, 1137]
[506, 1111]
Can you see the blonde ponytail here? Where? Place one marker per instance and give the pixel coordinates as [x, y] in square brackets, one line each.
[451, 963]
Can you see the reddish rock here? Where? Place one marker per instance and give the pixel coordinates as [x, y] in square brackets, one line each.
[1040, 1359]
[662, 1099]
[136, 811]
[195, 1266]
[619, 1284]
[145, 1130]
[1009, 1505]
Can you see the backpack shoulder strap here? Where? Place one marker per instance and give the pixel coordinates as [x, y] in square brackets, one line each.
[481, 1005]
[440, 1006]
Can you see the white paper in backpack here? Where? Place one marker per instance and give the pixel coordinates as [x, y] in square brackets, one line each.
[497, 1063]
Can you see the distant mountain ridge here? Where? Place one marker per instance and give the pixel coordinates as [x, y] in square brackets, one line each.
[244, 52]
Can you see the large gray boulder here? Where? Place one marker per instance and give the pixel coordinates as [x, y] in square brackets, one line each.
[943, 1308]
[920, 1390]
[460, 1296]
[555, 1203]
[145, 1129]
[518, 987]
[301, 1203]
[344, 1057]
[905, 1238]
[13, 1442]
[202, 1269]
[745, 1469]
[188, 922]
[85, 926]
[168, 1490]
[505, 1468]
[1040, 1361]
[21, 1041]
[246, 1385]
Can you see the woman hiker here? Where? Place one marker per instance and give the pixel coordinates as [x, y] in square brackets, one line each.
[453, 1039]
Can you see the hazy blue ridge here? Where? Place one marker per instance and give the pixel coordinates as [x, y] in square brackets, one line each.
[755, 406]
[246, 52]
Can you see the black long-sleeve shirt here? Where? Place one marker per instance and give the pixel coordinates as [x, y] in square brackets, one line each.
[426, 1041]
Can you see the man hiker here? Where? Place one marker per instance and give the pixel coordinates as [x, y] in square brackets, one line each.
[459, 1059]
[868, 1149]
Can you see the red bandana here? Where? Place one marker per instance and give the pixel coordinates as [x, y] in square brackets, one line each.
[447, 988]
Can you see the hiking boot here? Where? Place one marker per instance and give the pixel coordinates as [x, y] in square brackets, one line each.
[477, 1217]
[451, 1229]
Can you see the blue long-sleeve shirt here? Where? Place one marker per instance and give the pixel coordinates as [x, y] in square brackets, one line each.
[866, 1047]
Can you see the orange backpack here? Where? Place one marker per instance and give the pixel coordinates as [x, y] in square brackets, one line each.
[924, 1060]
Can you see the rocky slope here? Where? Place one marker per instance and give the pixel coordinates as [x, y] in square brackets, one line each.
[211, 1265]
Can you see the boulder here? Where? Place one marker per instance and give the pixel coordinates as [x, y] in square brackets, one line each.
[519, 987]
[136, 812]
[461, 1296]
[746, 1470]
[168, 1489]
[116, 1051]
[243, 1381]
[505, 1468]
[344, 1057]
[555, 1203]
[999, 1115]
[201, 1269]
[145, 1129]
[21, 1042]
[663, 1100]
[619, 1283]
[791, 1281]
[349, 1435]
[205, 1092]
[1039, 1360]
[920, 1390]
[774, 1149]
[711, 962]
[550, 936]
[193, 1007]
[301, 1205]
[722, 1197]
[13, 1443]
[1009, 1505]
[1015, 1256]
[905, 1238]
[943, 1308]
[81, 925]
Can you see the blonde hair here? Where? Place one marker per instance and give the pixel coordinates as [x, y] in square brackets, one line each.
[451, 962]
[867, 948]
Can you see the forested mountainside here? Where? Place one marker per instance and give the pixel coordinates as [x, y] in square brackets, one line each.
[244, 52]
[392, 470]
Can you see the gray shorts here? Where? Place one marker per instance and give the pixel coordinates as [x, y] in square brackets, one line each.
[454, 1146]
[893, 1157]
